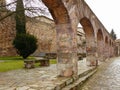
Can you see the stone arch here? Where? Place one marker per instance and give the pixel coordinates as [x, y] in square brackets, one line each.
[87, 26]
[66, 38]
[81, 40]
[110, 43]
[66, 16]
[100, 44]
[106, 40]
[111, 48]
[58, 11]
[106, 47]
[99, 35]
[90, 41]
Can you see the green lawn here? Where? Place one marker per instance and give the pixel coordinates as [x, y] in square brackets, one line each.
[13, 63]
[14, 58]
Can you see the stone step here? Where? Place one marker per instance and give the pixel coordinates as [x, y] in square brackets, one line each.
[70, 81]
[82, 78]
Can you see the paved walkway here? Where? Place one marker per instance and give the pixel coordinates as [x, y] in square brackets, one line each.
[106, 78]
[43, 78]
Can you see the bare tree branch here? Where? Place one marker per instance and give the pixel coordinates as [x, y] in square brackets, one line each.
[5, 5]
[31, 9]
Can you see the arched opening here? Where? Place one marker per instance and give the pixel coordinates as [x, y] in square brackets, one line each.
[110, 48]
[106, 47]
[66, 38]
[110, 43]
[99, 35]
[100, 44]
[81, 42]
[106, 40]
[87, 27]
[90, 41]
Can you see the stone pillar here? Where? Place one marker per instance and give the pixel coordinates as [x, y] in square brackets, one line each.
[104, 51]
[112, 51]
[107, 50]
[111, 54]
[66, 51]
[92, 54]
[118, 50]
[100, 50]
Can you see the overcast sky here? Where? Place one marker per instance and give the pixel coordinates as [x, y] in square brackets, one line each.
[108, 12]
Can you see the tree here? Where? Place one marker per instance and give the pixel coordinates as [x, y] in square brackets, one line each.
[32, 8]
[16, 7]
[25, 44]
[113, 35]
[20, 18]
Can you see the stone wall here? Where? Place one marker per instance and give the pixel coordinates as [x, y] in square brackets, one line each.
[44, 29]
[41, 27]
[117, 47]
[7, 34]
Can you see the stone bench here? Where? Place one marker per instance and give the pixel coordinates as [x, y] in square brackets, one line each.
[31, 63]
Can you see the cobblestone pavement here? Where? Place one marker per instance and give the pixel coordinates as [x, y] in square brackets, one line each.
[106, 78]
[43, 78]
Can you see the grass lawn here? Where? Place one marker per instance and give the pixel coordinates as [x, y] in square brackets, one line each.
[14, 58]
[12, 63]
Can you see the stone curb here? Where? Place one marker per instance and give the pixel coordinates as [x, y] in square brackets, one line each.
[77, 84]
[70, 81]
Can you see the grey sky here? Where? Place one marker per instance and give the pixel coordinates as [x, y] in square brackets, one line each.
[108, 13]
[32, 3]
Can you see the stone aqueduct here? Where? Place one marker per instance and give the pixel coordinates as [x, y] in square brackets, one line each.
[67, 14]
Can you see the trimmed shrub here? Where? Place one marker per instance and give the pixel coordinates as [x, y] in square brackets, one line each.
[25, 44]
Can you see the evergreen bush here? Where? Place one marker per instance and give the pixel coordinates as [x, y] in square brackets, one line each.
[25, 44]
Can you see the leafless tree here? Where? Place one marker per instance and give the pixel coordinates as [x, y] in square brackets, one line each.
[32, 8]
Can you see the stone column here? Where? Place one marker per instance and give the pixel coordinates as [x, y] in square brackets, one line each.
[104, 51]
[111, 51]
[118, 50]
[100, 50]
[92, 55]
[108, 50]
[66, 50]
